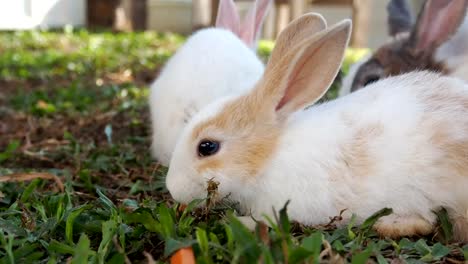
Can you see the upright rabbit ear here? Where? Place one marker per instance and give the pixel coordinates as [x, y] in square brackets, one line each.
[302, 75]
[227, 17]
[436, 23]
[298, 30]
[399, 17]
[253, 21]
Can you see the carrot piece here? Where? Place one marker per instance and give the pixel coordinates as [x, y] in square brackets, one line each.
[183, 256]
[182, 207]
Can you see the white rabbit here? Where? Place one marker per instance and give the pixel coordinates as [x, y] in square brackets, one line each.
[213, 62]
[402, 143]
[438, 41]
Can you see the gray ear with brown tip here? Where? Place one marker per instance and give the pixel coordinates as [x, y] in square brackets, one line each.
[399, 17]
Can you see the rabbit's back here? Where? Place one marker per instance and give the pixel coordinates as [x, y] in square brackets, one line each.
[397, 145]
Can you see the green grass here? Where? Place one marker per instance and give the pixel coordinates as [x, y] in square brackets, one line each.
[73, 105]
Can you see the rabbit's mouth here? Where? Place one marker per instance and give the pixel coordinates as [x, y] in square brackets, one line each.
[215, 200]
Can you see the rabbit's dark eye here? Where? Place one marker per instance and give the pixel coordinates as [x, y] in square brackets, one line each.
[371, 79]
[208, 147]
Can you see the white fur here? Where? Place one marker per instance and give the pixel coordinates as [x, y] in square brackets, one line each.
[409, 174]
[212, 63]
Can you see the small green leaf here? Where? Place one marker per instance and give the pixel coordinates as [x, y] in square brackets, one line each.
[146, 219]
[10, 149]
[106, 201]
[117, 258]
[422, 247]
[267, 256]
[71, 220]
[244, 240]
[29, 190]
[62, 248]
[313, 243]
[427, 258]
[350, 226]
[439, 251]
[230, 238]
[12, 228]
[465, 252]
[202, 239]
[166, 221]
[362, 257]
[338, 246]
[24, 251]
[381, 259]
[405, 243]
[82, 251]
[445, 223]
[129, 203]
[299, 254]
[109, 229]
[284, 220]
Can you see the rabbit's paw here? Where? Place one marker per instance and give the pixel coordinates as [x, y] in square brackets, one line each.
[403, 225]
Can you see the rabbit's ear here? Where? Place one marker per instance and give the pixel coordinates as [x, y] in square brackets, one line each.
[227, 17]
[298, 30]
[302, 75]
[436, 23]
[253, 21]
[399, 17]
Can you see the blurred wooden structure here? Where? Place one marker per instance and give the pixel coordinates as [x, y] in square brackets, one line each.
[123, 15]
[285, 11]
[133, 15]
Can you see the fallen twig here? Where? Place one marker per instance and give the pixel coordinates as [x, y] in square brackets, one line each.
[21, 177]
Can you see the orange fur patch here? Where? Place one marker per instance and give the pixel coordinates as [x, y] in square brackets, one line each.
[240, 114]
[356, 153]
[252, 132]
[209, 164]
[453, 147]
[456, 153]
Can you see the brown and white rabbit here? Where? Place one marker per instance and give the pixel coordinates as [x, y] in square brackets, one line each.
[402, 143]
[438, 41]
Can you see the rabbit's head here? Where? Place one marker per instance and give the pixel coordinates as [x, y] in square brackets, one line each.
[413, 45]
[233, 140]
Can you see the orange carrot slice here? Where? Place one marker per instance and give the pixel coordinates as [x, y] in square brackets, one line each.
[183, 256]
[182, 207]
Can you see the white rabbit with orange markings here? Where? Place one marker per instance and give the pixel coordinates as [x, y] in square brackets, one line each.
[402, 143]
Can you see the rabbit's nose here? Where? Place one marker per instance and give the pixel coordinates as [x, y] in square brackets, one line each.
[183, 190]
